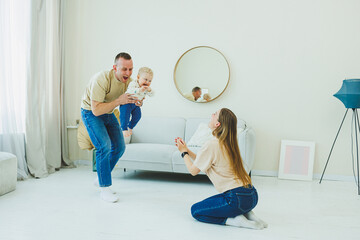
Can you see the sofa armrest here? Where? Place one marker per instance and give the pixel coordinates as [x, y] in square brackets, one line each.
[247, 143]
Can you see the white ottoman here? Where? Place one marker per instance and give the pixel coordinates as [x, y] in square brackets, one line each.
[8, 172]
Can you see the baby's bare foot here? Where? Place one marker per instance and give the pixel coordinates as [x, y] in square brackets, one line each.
[126, 134]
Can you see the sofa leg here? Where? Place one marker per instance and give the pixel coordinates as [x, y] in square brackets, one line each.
[124, 169]
[250, 174]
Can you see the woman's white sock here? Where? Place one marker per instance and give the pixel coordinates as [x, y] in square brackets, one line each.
[96, 184]
[242, 221]
[251, 216]
[107, 195]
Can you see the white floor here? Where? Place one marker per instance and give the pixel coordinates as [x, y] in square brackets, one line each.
[155, 205]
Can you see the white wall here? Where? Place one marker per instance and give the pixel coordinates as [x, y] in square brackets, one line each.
[286, 57]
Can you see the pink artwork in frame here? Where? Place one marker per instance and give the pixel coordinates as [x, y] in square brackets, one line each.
[296, 160]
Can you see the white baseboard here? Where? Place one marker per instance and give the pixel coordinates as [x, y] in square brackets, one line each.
[315, 176]
[264, 173]
[83, 163]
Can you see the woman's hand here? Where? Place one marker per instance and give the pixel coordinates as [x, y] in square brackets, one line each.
[181, 145]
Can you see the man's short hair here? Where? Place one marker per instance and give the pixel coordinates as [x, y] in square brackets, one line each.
[195, 89]
[145, 70]
[123, 55]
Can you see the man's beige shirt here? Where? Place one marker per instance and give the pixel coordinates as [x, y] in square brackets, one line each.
[103, 87]
[211, 160]
[190, 97]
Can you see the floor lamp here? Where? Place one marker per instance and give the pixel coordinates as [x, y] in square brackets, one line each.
[349, 95]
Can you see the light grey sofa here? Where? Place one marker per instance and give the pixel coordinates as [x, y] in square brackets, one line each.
[8, 172]
[152, 146]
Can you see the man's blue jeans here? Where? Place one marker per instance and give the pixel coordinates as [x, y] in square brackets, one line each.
[126, 111]
[218, 208]
[106, 135]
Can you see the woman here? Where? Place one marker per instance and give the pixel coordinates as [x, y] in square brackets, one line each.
[220, 159]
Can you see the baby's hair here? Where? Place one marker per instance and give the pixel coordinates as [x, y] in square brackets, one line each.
[145, 70]
[206, 96]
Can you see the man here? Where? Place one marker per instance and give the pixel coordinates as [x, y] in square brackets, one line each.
[194, 95]
[104, 93]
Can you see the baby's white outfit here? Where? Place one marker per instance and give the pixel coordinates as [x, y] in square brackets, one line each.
[135, 89]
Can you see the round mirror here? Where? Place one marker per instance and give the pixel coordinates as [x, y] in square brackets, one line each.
[201, 74]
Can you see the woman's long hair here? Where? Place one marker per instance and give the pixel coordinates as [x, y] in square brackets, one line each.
[227, 135]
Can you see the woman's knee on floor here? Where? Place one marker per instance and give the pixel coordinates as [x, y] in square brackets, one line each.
[195, 212]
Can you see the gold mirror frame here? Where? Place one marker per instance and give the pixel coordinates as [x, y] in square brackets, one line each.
[227, 63]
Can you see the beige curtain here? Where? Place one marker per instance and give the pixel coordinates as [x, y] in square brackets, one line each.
[44, 111]
[14, 59]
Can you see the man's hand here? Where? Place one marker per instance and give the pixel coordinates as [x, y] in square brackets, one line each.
[126, 98]
[99, 108]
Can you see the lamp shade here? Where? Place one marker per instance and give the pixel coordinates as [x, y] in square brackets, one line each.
[349, 93]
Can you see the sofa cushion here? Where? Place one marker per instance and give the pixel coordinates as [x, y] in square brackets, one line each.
[149, 152]
[158, 130]
[202, 134]
[191, 125]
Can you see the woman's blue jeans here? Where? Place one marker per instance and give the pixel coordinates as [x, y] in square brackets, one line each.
[218, 208]
[106, 135]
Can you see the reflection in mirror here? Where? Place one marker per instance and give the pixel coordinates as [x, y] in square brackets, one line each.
[201, 74]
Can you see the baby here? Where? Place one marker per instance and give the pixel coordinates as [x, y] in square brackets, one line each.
[139, 89]
[206, 97]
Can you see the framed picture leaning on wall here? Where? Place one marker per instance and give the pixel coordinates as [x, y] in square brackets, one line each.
[296, 160]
